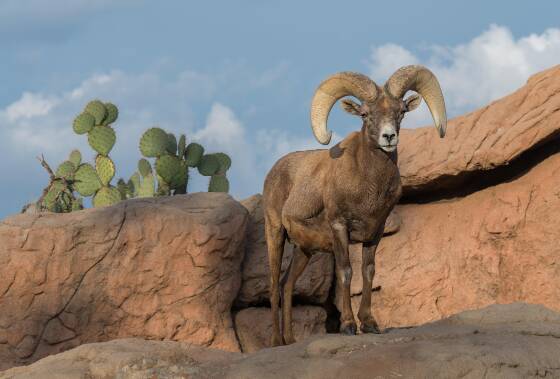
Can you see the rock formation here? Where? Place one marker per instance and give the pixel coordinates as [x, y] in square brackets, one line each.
[501, 341]
[162, 268]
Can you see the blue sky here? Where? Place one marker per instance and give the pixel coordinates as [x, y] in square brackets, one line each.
[238, 76]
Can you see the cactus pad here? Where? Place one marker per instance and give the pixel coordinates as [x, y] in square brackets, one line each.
[168, 166]
[66, 170]
[144, 167]
[83, 123]
[75, 157]
[86, 180]
[105, 169]
[102, 139]
[147, 187]
[218, 183]
[193, 153]
[208, 165]
[112, 113]
[153, 142]
[171, 144]
[50, 199]
[123, 189]
[181, 146]
[134, 184]
[97, 109]
[77, 204]
[225, 162]
[106, 196]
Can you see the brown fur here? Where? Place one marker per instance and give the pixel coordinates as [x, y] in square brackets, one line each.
[323, 200]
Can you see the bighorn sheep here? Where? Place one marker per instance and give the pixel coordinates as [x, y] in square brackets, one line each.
[324, 200]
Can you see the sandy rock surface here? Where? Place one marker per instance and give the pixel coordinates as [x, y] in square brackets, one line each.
[501, 341]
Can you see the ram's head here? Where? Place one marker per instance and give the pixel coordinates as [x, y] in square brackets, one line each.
[381, 109]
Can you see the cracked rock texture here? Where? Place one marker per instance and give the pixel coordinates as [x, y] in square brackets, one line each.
[482, 140]
[162, 268]
[501, 341]
[254, 325]
[495, 244]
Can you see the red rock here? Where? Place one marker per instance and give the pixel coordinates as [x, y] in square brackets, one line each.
[162, 268]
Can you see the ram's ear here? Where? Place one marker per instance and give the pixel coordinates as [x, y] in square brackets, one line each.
[352, 107]
[412, 102]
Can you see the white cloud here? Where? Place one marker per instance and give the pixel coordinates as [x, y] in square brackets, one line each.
[486, 68]
[28, 106]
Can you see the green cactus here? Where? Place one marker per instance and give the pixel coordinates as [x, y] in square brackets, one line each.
[97, 109]
[147, 186]
[112, 113]
[75, 157]
[168, 167]
[134, 184]
[225, 162]
[153, 142]
[77, 204]
[66, 170]
[123, 189]
[181, 146]
[171, 146]
[105, 169]
[83, 123]
[208, 165]
[86, 181]
[218, 183]
[102, 139]
[193, 154]
[144, 167]
[106, 196]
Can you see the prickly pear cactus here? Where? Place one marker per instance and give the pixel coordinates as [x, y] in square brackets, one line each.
[208, 165]
[105, 169]
[86, 181]
[106, 196]
[193, 153]
[153, 143]
[218, 183]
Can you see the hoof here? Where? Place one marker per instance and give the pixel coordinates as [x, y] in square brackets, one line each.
[289, 340]
[276, 341]
[348, 329]
[370, 328]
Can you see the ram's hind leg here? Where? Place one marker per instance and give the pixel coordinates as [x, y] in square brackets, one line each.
[297, 265]
[367, 322]
[275, 239]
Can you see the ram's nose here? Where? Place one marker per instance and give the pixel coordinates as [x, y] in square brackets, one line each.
[389, 137]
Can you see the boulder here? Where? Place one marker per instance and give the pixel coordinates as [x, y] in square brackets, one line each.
[157, 268]
[254, 325]
[501, 341]
[312, 286]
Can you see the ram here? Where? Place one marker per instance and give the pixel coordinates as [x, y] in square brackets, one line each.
[323, 200]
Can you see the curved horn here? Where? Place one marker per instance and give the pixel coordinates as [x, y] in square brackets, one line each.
[329, 91]
[420, 79]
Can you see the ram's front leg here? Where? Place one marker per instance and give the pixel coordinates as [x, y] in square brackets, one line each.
[343, 276]
[367, 322]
